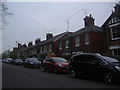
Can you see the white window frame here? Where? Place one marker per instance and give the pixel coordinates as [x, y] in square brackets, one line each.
[113, 52]
[112, 20]
[40, 49]
[50, 47]
[77, 41]
[35, 51]
[60, 45]
[46, 48]
[87, 40]
[115, 18]
[67, 44]
[112, 35]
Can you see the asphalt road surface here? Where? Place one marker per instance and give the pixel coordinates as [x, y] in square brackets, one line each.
[20, 77]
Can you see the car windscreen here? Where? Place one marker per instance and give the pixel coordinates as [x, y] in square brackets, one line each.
[33, 60]
[18, 60]
[109, 59]
[59, 60]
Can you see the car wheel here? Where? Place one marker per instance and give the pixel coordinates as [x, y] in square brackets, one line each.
[43, 69]
[25, 66]
[108, 78]
[73, 74]
[56, 70]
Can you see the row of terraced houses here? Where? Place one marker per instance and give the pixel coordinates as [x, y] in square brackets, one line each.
[90, 39]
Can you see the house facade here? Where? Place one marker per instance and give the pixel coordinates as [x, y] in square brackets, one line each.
[86, 40]
[111, 29]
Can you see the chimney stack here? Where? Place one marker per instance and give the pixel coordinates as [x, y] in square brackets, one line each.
[19, 45]
[30, 44]
[37, 40]
[117, 8]
[89, 21]
[49, 36]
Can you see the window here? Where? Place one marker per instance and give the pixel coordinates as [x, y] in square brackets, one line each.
[118, 19]
[116, 52]
[46, 48]
[35, 51]
[87, 39]
[50, 47]
[77, 41]
[60, 45]
[115, 19]
[112, 20]
[41, 50]
[115, 33]
[66, 44]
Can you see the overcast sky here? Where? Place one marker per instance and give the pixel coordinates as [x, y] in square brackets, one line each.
[31, 20]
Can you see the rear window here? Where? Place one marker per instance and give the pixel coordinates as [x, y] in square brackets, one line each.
[33, 60]
[59, 60]
[85, 58]
[109, 59]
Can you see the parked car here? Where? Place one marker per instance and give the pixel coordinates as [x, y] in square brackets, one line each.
[12, 62]
[32, 62]
[55, 64]
[4, 60]
[18, 62]
[95, 65]
[9, 60]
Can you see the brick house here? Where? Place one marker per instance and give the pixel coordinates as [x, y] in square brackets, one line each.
[86, 40]
[17, 51]
[111, 29]
[31, 50]
[50, 45]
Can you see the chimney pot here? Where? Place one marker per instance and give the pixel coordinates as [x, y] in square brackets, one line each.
[89, 20]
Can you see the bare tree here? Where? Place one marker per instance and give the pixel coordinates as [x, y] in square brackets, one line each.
[3, 13]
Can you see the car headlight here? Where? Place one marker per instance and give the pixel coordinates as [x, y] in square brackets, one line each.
[117, 67]
[60, 65]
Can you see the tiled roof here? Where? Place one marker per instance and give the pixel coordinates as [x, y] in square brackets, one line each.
[88, 29]
[55, 38]
[47, 41]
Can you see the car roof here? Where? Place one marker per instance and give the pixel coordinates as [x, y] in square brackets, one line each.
[93, 54]
[54, 57]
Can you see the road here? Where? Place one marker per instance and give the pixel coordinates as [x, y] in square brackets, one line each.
[20, 77]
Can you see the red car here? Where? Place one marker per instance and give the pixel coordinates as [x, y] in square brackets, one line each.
[55, 64]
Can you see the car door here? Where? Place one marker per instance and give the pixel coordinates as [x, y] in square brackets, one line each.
[47, 63]
[85, 65]
[79, 64]
[96, 66]
[51, 64]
